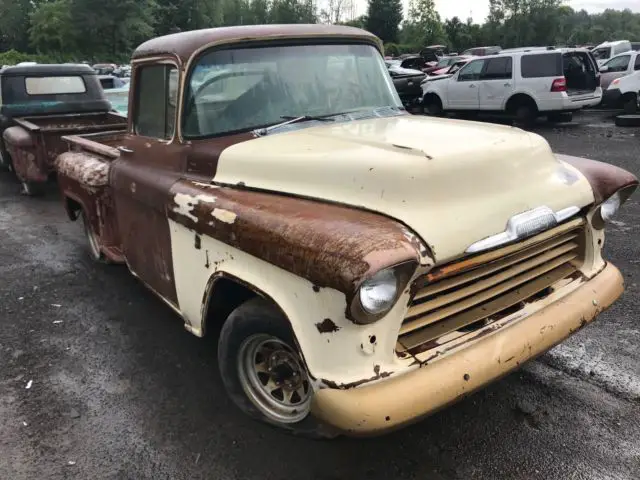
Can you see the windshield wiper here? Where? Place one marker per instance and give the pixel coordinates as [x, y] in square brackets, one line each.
[291, 119]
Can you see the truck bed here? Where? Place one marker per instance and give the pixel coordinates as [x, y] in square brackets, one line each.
[73, 122]
[102, 144]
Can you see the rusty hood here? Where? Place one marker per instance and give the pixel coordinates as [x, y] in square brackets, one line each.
[452, 182]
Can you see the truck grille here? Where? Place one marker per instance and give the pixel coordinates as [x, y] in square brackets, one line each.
[458, 298]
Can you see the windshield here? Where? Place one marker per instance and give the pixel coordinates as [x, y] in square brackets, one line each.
[445, 62]
[244, 89]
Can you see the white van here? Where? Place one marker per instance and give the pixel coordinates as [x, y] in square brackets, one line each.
[523, 84]
[606, 50]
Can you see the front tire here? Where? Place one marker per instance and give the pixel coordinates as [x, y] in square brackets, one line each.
[5, 160]
[263, 372]
[432, 105]
[93, 244]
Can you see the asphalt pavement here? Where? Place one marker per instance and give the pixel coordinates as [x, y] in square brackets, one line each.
[99, 380]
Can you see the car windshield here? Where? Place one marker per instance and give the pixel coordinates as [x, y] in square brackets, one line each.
[244, 89]
[444, 62]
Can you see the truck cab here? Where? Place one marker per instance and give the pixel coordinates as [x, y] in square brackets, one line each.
[363, 267]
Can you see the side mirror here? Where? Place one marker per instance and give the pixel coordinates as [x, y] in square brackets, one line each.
[604, 69]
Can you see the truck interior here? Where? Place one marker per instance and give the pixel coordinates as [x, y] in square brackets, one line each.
[580, 71]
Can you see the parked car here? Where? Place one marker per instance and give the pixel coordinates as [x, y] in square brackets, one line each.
[482, 51]
[606, 50]
[452, 67]
[111, 81]
[360, 266]
[624, 93]
[635, 46]
[411, 62]
[40, 104]
[619, 66]
[119, 99]
[407, 83]
[522, 84]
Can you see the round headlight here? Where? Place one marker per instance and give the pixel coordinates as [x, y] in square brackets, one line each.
[378, 293]
[610, 207]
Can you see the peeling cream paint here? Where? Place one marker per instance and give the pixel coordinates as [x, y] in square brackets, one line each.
[184, 206]
[224, 215]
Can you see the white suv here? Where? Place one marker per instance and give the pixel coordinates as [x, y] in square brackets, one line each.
[524, 84]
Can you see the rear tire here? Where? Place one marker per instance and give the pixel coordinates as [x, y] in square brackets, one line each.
[93, 243]
[263, 372]
[524, 115]
[630, 105]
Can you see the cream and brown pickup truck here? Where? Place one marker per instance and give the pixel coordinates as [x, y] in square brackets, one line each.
[362, 267]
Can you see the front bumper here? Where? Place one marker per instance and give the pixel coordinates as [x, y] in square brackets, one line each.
[612, 97]
[398, 401]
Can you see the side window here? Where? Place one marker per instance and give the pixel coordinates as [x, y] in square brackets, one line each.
[619, 64]
[541, 65]
[637, 64]
[498, 69]
[471, 71]
[155, 106]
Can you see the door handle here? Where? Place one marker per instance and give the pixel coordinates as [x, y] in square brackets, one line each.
[472, 86]
[125, 149]
[507, 84]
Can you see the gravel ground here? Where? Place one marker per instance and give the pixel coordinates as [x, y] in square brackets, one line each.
[99, 379]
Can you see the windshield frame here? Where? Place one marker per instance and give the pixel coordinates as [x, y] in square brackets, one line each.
[194, 62]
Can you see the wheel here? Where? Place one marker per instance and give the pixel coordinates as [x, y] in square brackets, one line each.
[92, 241]
[432, 105]
[562, 117]
[33, 189]
[263, 372]
[630, 105]
[525, 115]
[5, 160]
[628, 120]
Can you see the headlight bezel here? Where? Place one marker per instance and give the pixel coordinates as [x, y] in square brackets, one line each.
[402, 272]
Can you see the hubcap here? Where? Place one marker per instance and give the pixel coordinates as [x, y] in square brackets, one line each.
[273, 377]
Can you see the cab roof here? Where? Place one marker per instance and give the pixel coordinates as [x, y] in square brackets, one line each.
[42, 70]
[185, 44]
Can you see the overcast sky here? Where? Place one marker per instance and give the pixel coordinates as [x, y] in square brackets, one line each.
[479, 9]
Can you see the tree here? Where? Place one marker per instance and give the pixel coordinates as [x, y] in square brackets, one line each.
[51, 28]
[383, 19]
[423, 23]
[14, 24]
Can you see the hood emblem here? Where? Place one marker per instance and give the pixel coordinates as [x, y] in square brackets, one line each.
[523, 225]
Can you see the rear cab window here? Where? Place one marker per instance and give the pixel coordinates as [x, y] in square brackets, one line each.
[54, 85]
[541, 65]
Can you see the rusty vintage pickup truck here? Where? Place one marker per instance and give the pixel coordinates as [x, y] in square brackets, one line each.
[40, 104]
[363, 267]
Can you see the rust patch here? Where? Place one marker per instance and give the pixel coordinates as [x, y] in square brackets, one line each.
[85, 168]
[330, 245]
[327, 326]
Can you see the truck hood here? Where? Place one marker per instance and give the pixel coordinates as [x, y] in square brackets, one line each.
[452, 182]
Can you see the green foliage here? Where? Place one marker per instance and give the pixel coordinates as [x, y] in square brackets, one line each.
[391, 49]
[383, 19]
[12, 57]
[108, 30]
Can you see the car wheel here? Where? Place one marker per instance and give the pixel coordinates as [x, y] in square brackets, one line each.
[33, 189]
[628, 120]
[525, 116]
[432, 106]
[563, 117]
[263, 372]
[630, 105]
[93, 243]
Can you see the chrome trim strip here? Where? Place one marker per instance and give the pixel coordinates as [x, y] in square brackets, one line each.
[524, 225]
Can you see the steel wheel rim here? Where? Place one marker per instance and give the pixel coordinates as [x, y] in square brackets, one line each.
[273, 377]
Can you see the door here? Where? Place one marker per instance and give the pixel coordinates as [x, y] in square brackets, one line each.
[151, 160]
[496, 83]
[615, 68]
[462, 91]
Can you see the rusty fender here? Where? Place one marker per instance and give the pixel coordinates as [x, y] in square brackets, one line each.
[605, 179]
[330, 245]
[23, 151]
[89, 171]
